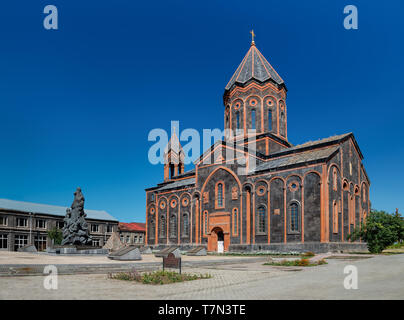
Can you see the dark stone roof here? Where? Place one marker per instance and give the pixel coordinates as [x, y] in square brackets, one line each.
[312, 144]
[296, 159]
[254, 67]
[177, 184]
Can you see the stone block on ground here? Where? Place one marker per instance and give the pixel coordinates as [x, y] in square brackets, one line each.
[197, 251]
[27, 248]
[126, 254]
[164, 253]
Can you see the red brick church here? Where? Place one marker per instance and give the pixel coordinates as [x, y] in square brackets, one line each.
[296, 197]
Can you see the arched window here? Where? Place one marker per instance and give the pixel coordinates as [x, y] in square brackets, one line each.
[261, 219]
[219, 195]
[162, 226]
[335, 217]
[235, 221]
[269, 119]
[173, 225]
[253, 119]
[185, 224]
[238, 120]
[334, 179]
[294, 217]
[152, 228]
[205, 222]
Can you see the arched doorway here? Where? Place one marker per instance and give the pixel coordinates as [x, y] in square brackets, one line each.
[216, 241]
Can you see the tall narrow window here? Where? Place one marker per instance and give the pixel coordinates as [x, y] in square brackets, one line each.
[235, 221]
[335, 217]
[253, 119]
[185, 231]
[173, 226]
[162, 226]
[238, 120]
[269, 119]
[152, 228]
[220, 195]
[261, 219]
[294, 217]
[205, 222]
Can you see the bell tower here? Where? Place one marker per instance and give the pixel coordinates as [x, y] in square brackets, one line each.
[255, 99]
[173, 158]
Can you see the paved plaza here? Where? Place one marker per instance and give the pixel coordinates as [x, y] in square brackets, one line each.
[380, 277]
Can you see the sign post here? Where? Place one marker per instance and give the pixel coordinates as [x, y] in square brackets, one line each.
[170, 261]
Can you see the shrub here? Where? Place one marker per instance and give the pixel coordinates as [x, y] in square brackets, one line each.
[157, 277]
[308, 254]
[56, 235]
[379, 230]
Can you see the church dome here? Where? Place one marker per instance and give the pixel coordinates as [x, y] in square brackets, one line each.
[254, 66]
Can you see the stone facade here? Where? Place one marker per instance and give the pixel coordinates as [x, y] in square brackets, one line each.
[255, 189]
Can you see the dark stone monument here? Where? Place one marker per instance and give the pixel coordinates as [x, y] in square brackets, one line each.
[171, 261]
[75, 230]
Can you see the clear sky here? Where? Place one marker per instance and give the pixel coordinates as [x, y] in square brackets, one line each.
[77, 103]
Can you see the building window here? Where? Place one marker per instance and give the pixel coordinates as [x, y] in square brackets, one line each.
[3, 221]
[205, 222]
[20, 241]
[162, 226]
[294, 217]
[334, 180]
[109, 229]
[269, 119]
[185, 224]
[60, 224]
[127, 239]
[22, 222]
[40, 243]
[152, 229]
[122, 238]
[235, 221]
[40, 224]
[261, 219]
[335, 217]
[141, 238]
[95, 228]
[238, 120]
[152, 197]
[253, 119]
[3, 241]
[96, 243]
[219, 195]
[173, 226]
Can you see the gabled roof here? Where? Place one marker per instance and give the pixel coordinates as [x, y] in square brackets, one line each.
[254, 66]
[317, 144]
[132, 226]
[296, 159]
[47, 209]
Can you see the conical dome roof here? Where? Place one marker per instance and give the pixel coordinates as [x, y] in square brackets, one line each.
[254, 66]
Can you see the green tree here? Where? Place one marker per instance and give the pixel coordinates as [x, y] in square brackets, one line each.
[56, 235]
[379, 230]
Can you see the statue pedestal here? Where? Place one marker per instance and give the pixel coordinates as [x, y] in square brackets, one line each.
[76, 250]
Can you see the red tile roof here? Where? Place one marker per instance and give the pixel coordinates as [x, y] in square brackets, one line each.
[133, 226]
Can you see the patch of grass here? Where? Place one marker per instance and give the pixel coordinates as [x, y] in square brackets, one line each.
[398, 245]
[308, 254]
[254, 254]
[157, 277]
[296, 263]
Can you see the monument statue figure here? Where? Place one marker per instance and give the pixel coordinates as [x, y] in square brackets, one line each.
[75, 229]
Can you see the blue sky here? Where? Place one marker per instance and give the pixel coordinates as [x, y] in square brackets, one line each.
[77, 103]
